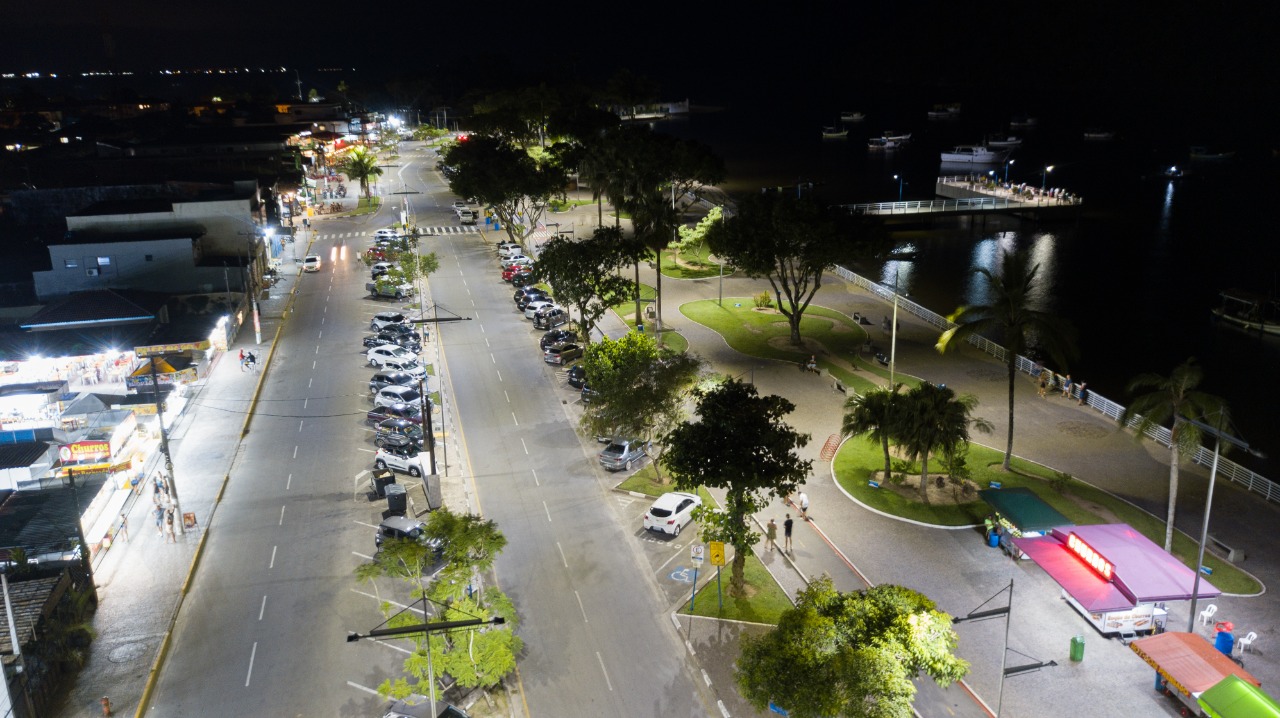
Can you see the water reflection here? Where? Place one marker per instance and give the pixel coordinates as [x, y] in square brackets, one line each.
[985, 255]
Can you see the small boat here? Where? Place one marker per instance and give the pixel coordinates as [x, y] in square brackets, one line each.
[1175, 172]
[851, 116]
[899, 137]
[882, 143]
[1096, 135]
[1249, 310]
[976, 154]
[1201, 153]
[833, 133]
[1023, 121]
[1003, 140]
[945, 112]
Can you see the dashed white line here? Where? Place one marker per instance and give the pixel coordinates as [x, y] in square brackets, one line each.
[253, 653]
[498, 372]
[486, 342]
[317, 349]
[281, 523]
[607, 682]
[563, 560]
[313, 363]
[304, 403]
[273, 557]
[513, 418]
[548, 510]
[359, 687]
[491, 359]
[287, 482]
[262, 610]
[724, 711]
[526, 446]
[321, 333]
[300, 424]
[361, 555]
[705, 678]
[504, 393]
[581, 608]
[310, 380]
[689, 647]
[295, 452]
[535, 478]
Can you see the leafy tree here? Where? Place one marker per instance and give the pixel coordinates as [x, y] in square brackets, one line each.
[875, 414]
[469, 546]
[850, 654]
[505, 178]
[1010, 313]
[933, 418]
[520, 115]
[791, 242]
[1173, 399]
[584, 273]
[691, 238]
[758, 462]
[361, 165]
[640, 388]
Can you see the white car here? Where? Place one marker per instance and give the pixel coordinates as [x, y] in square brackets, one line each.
[468, 216]
[459, 205]
[412, 367]
[533, 308]
[389, 395]
[386, 233]
[506, 243]
[517, 259]
[383, 319]
[406, 461]
[311, 263]
[378, 356]
[506, 251]
[671, 512]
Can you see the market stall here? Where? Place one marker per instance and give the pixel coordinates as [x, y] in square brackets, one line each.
[1113, 575]
[1020, 512]
[1187, 666]
[1234, 697]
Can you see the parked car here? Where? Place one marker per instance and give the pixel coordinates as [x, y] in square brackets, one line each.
[389, 290]
[376, 254]
[549, 318]
[412, 367]
[509, 250]
[386, 233]
[393, 394]
[405, 341]
[536, 306]
[408, 412]
[537, 295]
[510, 273]
[458, 205]
[506, 243]
[517, 260]
[382, 319]
[562, 353]
[399, 527]
[577, 376]
[620, 454]
[468, 216]
[404, 460]
[381, 268]
[378, 356]
[311, 263]
[524, 292]
[523, 279]
[671, 512]
[391, 378]
[557, 336]
[398, 432]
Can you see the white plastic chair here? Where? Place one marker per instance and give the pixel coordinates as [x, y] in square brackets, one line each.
[1246, 643]
[1207, 614]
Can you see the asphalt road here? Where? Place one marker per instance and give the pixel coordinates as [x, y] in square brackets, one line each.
[263, 630]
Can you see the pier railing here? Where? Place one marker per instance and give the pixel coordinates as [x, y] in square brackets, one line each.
[926, 206]
[1254, 481]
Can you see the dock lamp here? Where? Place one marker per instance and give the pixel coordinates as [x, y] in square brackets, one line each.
[1006, 171]
[1044, 176]
[900, 183]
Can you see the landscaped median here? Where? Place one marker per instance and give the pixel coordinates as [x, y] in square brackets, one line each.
[765, 600]
[859, 462]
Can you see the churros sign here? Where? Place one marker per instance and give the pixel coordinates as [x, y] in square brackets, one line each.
[1090, 556]
[82, 452]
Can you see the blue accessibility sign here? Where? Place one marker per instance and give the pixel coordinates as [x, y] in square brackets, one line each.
[682, 575]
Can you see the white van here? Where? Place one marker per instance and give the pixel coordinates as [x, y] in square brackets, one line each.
[467, 216]
[311, 263]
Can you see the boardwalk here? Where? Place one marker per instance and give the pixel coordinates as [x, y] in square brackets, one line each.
[968, 196]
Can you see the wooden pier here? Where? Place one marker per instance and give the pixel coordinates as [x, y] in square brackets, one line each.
[961, 196]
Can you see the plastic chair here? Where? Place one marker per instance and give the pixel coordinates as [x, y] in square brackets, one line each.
[1207, 614]
[1246, 643]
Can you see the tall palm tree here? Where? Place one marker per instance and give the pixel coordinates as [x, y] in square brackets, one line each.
[1009, 313]
[934, 419]
[1174, 398]
[874, 414]
[361, 165]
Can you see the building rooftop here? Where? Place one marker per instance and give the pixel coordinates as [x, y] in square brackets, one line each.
[98, 307]
[17, 456]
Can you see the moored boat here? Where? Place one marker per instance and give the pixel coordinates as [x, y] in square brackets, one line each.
[834, 133]
[945, 112]
[1249, 310]
[1003, 140]
[882, 143]
[852, 116]
[1202, 153]
[1098, 135]
[975, 154]
[899, 137]
[1023, 121]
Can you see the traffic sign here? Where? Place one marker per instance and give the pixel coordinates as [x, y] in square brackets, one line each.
[717, 553]
[699, 553]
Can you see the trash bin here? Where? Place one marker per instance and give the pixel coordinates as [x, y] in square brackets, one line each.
[993, 539]
[397, 499]
[380, 480]
[1225, 640]
[1077, 647]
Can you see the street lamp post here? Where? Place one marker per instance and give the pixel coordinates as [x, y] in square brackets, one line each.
[1006, 171]
[1044, 175]
[900, 183]
[164, 444]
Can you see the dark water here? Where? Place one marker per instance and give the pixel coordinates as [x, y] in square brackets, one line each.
[1136, 275]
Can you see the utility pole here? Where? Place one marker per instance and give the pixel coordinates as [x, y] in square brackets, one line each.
[164, 443]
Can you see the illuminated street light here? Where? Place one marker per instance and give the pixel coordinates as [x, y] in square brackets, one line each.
[1006, 171]
[900, 183]
[1044, 176]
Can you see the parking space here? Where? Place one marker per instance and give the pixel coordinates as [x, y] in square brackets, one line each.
[668, 557]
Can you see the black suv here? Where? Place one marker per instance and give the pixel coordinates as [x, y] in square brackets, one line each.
[398, 433]
[557, 336]
[523, 298]
[577, 377]
[400, 339]
[390, 378]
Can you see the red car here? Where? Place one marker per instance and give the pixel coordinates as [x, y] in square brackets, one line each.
[376, 255]
[510, 273]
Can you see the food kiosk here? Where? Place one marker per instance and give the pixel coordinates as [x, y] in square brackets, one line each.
[1234, 697]
[1187, 666]
[1020, 512]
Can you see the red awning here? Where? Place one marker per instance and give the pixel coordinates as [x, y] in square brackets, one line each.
[1085, 586]
[1188, 662]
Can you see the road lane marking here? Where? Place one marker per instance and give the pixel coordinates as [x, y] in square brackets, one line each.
[497, 371]
[281, 517]
[504, 393]
[526, 446]
[486, 343]
[304, 404]
[664, 563]
[371, 451]
[548, 510]
[513, 418]
[264, 607]
[317, 349]
[491, 359]
[287, 482]
[321, 334]
[393, 603]
[253, 653]
[607, 682]
[273, 558]
[705, 678]
[313, 364]
[300, 424]
[360, 555]
[563, 560]
[724, 710]
[295, 452]
[310, 380]
[581, 608]
[359, 687]
[362, 523]
[535, 478]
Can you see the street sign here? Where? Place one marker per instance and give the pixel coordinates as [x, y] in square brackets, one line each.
[717, 553]
[699, 554]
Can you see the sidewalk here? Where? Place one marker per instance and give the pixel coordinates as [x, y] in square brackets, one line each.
[140, 581]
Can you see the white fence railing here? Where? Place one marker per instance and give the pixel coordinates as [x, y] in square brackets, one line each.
[936, 205]
[1253, 481]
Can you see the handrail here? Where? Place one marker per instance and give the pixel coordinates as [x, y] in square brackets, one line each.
[1254, 481]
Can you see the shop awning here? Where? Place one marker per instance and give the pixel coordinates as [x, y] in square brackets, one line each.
[1141, 571]
[1026, 510]
[1188, 662]
[1234, 697]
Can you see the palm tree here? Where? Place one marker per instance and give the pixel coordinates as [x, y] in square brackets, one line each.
[361, 165]
[874, 414]
[933, 418]
[1174, 398]
[1009, 312]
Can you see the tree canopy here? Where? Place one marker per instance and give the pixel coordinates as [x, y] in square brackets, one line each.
[584, 273]
[504, 177]
[849, 654]
[361, 165]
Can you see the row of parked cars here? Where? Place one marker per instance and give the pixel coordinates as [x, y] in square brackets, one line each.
[396, 388]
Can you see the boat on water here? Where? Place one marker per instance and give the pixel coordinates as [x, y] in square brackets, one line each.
[976, 154]
[899, 137]
[1175, 172]
[1004, 141]
[1023, 122]
[1098, 135]
[1249, 310]
[1201, 153]
[945, 112]
[852, 116]
[834, 133]
[882, 143]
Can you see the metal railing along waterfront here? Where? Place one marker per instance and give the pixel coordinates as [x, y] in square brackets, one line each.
[1252, 480]
[972, 204]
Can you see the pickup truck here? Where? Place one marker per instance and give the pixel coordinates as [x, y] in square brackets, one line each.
[387, 289]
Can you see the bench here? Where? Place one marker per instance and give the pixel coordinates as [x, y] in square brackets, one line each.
[995, 485]
[1234, 555]
[840, 387]
[873, 484]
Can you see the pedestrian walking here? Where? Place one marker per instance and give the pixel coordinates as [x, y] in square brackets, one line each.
[158, 482]
[124, 527]
[1082, 392]
[1044, 383]
[159, 512]
[106, 707]
[804, 505]
[155, 497]
[242, 357]
[1066, 387]
[786, 533]
[168, 527]
[771, 534]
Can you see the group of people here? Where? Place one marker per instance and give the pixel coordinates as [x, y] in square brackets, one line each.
[163, 509]
[788, 525]
[248, 360]
[1070, 388]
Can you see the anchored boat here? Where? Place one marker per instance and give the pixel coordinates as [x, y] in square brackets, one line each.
[1249, 310]
[976, 154]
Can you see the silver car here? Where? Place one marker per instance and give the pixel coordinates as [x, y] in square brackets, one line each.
[620, 454]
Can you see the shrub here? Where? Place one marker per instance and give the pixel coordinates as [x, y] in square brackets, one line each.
[763, 300]
[1061, 481]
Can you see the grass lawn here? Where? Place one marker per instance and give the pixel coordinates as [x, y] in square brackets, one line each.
[365, 205]
[559, 206]
[697, 265]
[766, 601]
[626, 312]
[1082, 504]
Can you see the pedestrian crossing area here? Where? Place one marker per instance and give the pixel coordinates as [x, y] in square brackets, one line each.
[425, 232]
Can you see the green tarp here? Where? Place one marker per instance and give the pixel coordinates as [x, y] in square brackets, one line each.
[1026, 510]
[1236, 698]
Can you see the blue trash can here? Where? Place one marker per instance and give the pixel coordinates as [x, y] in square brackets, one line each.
[993, 539]
[1224, 642]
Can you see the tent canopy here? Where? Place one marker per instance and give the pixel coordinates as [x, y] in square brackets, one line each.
[1026, 510]
[1190, 664]
[1233, 697]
